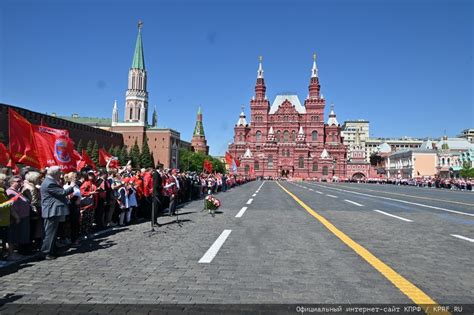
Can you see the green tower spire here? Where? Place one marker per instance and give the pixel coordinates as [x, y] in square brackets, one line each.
[138, 57]
[199, 128]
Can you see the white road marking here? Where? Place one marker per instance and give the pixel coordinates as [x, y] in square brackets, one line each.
[402, 201]
[319, 192]
[332, 196]
[212, 251]
[354, 203]
[391, 215]
[463, 238]
[310, 189]
[241, 212]
[250, 201]
[254, 195]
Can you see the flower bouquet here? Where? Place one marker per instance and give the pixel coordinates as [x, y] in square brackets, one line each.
[211, 203]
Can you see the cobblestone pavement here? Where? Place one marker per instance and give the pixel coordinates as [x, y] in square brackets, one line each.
[275, 253]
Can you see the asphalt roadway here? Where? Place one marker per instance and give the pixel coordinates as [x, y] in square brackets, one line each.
[274, 242]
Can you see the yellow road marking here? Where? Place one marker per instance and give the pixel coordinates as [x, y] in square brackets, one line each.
[407, 288]
[405, 195]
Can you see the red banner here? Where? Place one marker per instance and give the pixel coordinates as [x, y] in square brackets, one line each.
[104, 156]
[87, 160]
[4, 154]
[54, 147]
[207, 166]
[228, 158]
[22, 142]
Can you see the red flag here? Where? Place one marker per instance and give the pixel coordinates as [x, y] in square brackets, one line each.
[207, 166]
[104, 156]
[237, 162]
[54, 147]
[4, 154]
[88, 160]
[22, 141]
[228, 158]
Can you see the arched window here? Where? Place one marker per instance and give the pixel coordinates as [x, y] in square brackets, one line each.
[449, 161]
[278, 136]
[442, 161]
[293, 135]
[286, 136]
[270, 161]
[258, 136]
[315, 166]
[240, 137]
[314, 135]
[333, 137]
[285, 118]
[317, 118]
[301, 162]
[325, 170]
[247, 168]
[256, 166]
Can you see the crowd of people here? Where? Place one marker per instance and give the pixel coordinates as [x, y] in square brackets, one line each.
[47, 211]
[430, 182]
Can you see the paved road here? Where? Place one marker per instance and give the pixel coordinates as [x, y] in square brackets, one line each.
[274, 251]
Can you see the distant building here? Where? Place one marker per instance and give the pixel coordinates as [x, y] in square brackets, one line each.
[412, 163]
[198, 142]
[351, 128]
[396, 144]
[288, 139]
[467, 134]
[164, 143]
[358, 168]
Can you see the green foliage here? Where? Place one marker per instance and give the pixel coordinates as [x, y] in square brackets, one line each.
[135, 155]
[111, 149]
[467, 171]
[115, 151]
[145, 157]
[80, 146]
[89, 147]
[123, 155]
[95, 153]
[152, 160]
[194, 161]
[375, 159]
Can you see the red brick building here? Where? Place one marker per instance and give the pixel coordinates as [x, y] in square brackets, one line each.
[288, 139]
[198, 142]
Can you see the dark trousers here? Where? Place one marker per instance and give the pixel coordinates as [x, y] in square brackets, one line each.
[173, 204]
[50, 231]
[74, 216]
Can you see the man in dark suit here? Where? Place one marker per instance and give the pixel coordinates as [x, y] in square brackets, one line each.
[157, 195]
[54, 207]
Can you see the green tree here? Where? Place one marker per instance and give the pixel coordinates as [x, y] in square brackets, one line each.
[194, 161]
[111, 149]
[135, 155]
[115, 151]
[89, 147]
[123, 155]
[95, 153]
[217, 166]
[145, 157]
[467, 171]
[375, 159]
[152, 160]
[80, 146]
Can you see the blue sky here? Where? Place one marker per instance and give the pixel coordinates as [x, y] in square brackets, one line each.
[404, 65]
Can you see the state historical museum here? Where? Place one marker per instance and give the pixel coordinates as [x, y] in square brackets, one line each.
[288, 139]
